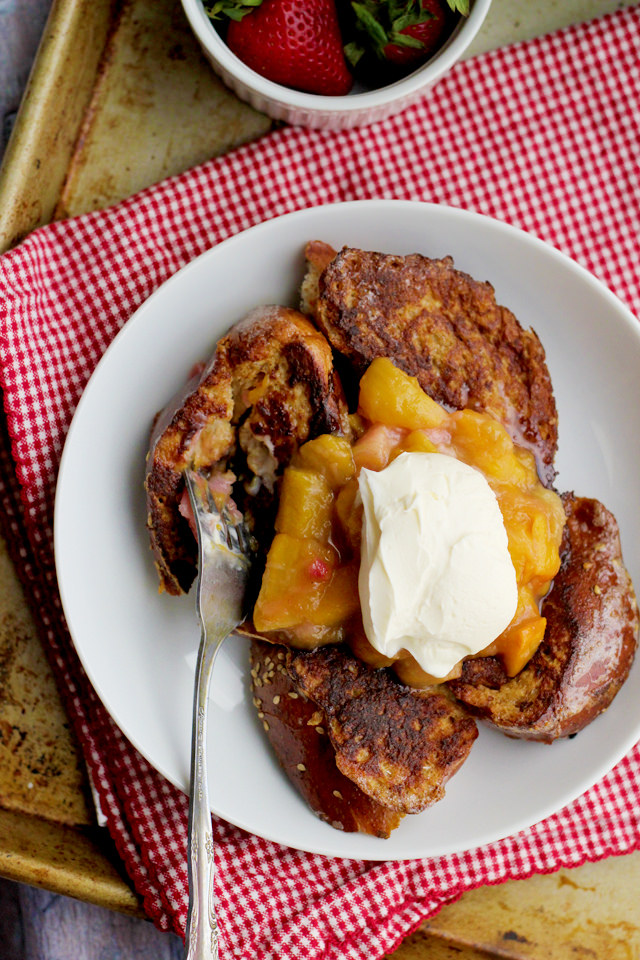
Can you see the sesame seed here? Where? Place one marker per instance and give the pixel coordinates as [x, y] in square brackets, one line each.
[319, 729]
[587, 565]
[597, 590]
[281, 656]
[276, 699]
[261, 715]
[265, 724]
[301, 767]
[294, 696]
[337, 794]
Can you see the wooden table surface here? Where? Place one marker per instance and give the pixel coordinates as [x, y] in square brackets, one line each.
[121, 97]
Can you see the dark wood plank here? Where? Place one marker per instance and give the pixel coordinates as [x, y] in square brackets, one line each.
[11, 921]
[38, 925]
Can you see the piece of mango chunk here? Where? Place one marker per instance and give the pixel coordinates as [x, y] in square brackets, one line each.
[296, 577]
[388, 395]
[328, 455]
[305, 507]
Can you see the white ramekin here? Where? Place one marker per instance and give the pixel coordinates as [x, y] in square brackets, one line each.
[331, 113]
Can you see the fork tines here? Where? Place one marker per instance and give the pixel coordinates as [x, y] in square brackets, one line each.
[228, 523]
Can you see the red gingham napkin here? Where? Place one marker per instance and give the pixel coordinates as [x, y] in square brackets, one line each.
[544, 135]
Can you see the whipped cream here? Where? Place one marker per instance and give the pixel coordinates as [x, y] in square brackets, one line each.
[436, 578]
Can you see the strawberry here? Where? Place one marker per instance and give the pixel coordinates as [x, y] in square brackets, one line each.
[293, 42]
[422, 34]
[399, 34]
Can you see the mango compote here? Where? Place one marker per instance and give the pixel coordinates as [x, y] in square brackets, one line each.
[309, 594]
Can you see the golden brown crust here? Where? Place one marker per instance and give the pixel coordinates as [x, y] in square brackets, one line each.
[297, 731]
[446, 329]
[273, 374]
[589, 644]
[398, 744]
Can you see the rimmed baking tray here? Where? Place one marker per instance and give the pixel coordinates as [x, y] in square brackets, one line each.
[120, 97]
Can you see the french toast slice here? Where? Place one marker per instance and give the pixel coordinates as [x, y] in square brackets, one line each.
[269, 386]
[588, 647]
[441, 326]
[297, 730]
[398, 744]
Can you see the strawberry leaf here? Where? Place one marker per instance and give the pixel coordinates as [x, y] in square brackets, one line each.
[411, 20]
[368, 22]
[406, 40]
[460, 6]
[353, 52]
[233, 9]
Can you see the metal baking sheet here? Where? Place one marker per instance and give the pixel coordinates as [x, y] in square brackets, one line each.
[119, 98]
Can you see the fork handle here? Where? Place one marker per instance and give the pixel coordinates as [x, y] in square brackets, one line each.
[201, 940]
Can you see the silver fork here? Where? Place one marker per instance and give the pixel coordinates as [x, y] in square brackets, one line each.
[224, 562]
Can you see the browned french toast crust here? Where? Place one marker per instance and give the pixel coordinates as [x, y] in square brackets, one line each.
[398, 744]
[589, 644]
[445, 328]
[298, 732]
[269, 387]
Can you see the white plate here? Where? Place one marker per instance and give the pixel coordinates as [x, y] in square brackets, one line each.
[139, 648]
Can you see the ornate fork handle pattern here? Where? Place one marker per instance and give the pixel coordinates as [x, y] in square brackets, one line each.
[223, 570]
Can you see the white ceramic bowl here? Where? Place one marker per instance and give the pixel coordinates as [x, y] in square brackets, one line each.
[357, 109]
[139, 647]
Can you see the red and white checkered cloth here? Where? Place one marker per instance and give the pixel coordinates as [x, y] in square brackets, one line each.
[544, 135]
